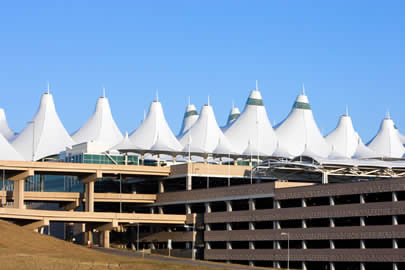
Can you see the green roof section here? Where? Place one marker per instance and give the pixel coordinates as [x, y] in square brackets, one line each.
[302, 105]
[254, 101]
[190, 113]
[233, 117]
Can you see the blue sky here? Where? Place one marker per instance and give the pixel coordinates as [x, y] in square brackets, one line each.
[346, 52]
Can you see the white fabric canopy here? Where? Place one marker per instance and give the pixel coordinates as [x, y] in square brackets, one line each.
[190, 117]
[45, 135]
[4, 128]
[101, 126]
[298, 133]
[205, 134]
[233, 115]
[387, 142]
[7, 151]
[153, 127]
[343, 139]
[252, 125]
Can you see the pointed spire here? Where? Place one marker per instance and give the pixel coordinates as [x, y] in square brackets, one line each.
[48, 87]
[388, 115]
[257, 85]
[347, 110]
[103, 92]
[303, 89]
[208, 101]
[157, 95]
[189, 101]
[144, 114]
[233, 105]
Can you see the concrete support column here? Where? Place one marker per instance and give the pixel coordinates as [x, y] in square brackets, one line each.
[332, 200]
[229, 226]
[160, 210]
[362, 244]
[303, 266]
[189, 182]
[304, 223]
[228, 245]
[208, 245]
[152, 210]
[188, 209]
[158, 160]
[208, 227]
[251, 245]
[161, 186]
[332, 222]
[394, 196]
[251, 264]
[89, 191]
[331, 266]
[41, 183]
[276, 244]
[304, 244]
[332, 244]
[105, 239]
[303, 202]
[276, 204]
[362, 266]
[394, 243]
[362, 199]
[325, 178]
[88, 236]
[207, 207]
[228, 206]
[276, 264]
[394, 266]
[19, 194]
[251, 226]
[362, 222]
[394, 220]
[252, 205]
[276, 224]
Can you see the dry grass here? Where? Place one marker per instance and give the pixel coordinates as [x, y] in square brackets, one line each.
[24, 249]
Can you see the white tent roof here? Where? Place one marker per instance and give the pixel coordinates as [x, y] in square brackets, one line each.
[252, 150]
[153, 127]
[205, 134]
[298, 133]
[223, 147]
[190, 117]
[50, 136]
[7, 151]
[101, 126]
[4, 128]
[387, 142]
[363, 151]
[125, 144]
[402, 137]
[252, 125]
[343, 139]
[233, 115]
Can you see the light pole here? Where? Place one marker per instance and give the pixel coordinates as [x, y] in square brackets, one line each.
[192, 245]
[288, 248]
[33, 139]
[137, 236]
[120, 194]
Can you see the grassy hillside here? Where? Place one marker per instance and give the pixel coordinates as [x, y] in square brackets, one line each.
[24, 249]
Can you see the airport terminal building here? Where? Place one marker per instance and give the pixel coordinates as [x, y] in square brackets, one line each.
[248, 192]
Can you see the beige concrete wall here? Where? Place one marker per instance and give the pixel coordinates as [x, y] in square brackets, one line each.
[209, 169]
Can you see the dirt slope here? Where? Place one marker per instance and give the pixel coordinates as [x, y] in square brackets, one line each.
[24, 249]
